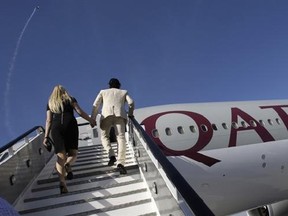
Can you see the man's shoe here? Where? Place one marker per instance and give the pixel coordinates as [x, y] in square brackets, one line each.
[112, 161]
[121, 169]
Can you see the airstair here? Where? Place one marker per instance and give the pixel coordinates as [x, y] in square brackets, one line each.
[96, 189]
[30, 183]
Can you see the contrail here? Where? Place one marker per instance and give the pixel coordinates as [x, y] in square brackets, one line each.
[9, 75]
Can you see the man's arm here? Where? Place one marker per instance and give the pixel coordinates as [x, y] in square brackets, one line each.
[98, 101]
[130, 103]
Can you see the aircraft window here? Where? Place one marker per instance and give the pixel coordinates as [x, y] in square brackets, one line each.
[214, 127]
[168, 131]
[278, 121]
[204, 128]
[270, 121]
[192, 129]
[180, 130]
[155, 133]
[253, 123]
[235, 125]
[262, 123]
[244, 124]
[224, 125]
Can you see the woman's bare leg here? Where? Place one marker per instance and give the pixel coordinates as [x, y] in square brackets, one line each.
[60, 167]
[72, 156]
[61, 158]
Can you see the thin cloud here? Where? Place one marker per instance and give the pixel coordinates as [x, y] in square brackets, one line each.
[8, 124]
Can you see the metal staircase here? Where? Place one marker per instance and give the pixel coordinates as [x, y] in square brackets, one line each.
[152, 185]
[96, 189]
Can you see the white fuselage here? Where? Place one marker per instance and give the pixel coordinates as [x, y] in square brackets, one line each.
[233, 154]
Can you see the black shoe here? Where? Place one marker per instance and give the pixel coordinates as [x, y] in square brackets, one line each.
[121, 169]
[63, 188]
[112, 161]
[69, 171]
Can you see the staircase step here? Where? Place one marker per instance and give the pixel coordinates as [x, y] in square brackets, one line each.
[96, 189]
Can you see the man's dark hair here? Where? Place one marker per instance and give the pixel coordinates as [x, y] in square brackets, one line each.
[114, 83]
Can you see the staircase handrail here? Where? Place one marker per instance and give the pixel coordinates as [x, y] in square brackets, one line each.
[22, 136]
[193, 200]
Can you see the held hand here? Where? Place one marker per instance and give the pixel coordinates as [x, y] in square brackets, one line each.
[93, 123]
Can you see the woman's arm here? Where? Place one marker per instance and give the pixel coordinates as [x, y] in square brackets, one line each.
[47, 125]
[84, 114]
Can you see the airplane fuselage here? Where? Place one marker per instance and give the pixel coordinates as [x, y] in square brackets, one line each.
[226, 151]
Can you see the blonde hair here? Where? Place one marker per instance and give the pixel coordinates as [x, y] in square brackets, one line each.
[58, 96]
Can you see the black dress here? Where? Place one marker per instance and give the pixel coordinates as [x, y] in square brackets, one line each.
[64, 129]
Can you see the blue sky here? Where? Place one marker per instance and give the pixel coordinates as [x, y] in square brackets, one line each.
[163, 52]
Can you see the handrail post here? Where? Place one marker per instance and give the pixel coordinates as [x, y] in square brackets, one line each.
[10, 151]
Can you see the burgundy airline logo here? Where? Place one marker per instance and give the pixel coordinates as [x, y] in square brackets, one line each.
[204, 138]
